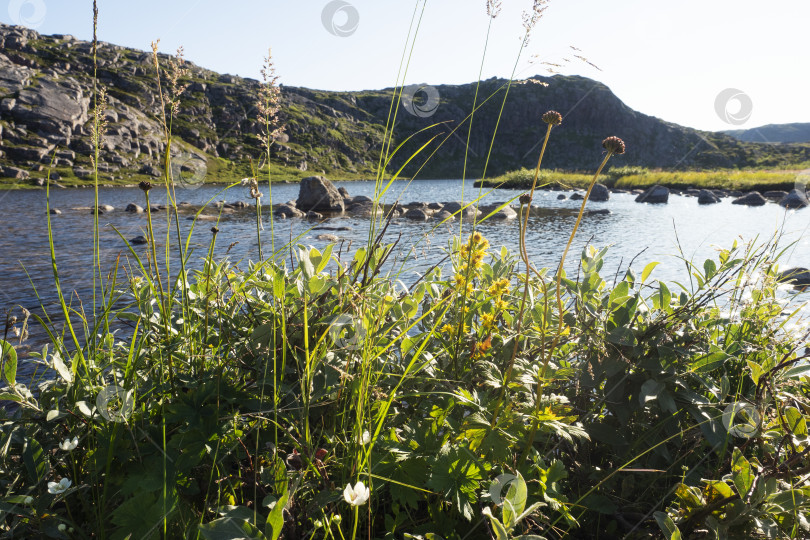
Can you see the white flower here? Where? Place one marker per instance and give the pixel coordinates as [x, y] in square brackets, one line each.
[365, 438]
[55, 488]
[67, 445]
[62, 527]
[28, 500]
[357, 495]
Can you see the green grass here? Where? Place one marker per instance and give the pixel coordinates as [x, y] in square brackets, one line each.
[641, 178]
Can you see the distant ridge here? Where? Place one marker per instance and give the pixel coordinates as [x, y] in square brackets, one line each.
[774, 133]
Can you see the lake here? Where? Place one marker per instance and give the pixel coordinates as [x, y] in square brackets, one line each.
[633, 230]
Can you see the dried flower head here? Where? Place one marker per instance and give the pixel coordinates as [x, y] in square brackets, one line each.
[145, 186]
[531, 17]
[177, 71]
[526, 198]
[614, 145]
[269, 102]
[552, 118]
[214, 230]
[493, 8]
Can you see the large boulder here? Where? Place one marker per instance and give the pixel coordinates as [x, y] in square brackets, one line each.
[320, 195]
[754, 198]
[600, 193]
[796, 276]
[417, 214]
[707, 197]
[655, 194]
[454, 208]
[285, 210]
[507, 212]
[795, 199]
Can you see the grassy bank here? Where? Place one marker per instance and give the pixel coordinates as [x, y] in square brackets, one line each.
[640, 178]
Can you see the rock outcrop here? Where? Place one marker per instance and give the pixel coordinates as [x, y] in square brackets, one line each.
[318, 194]
[754, 198]
[655, 195]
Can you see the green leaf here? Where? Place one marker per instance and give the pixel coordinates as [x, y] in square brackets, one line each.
[600, 503]
[667, 526]
[230, 529]
[36, 462]
[9, 358]
[275, 521]
[798, 371]
[649, 391]
[61, 368]
[5, 396]
[515, 502]
[662, 298]
[500, 531]
[648, 270]
[741, 473]
[796, 421]
[710, 362]
[622, 336]
[709, 268]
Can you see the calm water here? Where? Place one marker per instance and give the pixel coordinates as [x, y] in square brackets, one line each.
[647, 232]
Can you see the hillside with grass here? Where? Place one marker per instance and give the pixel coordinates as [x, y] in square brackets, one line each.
[774, 133]
[46, 89]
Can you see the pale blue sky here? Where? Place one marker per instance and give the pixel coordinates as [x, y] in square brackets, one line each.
[668, 59]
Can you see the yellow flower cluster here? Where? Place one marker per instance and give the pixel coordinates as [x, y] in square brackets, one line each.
[499, 288]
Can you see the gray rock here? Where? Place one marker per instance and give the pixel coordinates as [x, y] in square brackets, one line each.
[599, 193]
[14, 172]
[454, 208]
[134, 208]
[775, 195]
[55, 211]
[576, 196]
[416, 214]
[102, 208]
[797, 276]
[365, 209]
[435, 206]
[328, 238]
[753, 198]
[139, 241]
[344, 192]
[314, 215]
[600, 212]
[795, 199]
[361, 199]
[707, 197]
[507, 212]
[654, 195]
[319, 194]
[561, 197]
[285, 210]
[444, 215]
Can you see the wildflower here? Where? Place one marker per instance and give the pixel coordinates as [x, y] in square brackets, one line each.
[56, 488]
[526, 198]
[501, 305]
[145, 186]
[499, 288]
[448, 329]
[493, 8]
[480, 349]
[69, 445]
[28, 500]
[487, 321]
[552, 118]
[365, 438]
[62, 527]
[357, 495]
[214, 230]
[613, 145]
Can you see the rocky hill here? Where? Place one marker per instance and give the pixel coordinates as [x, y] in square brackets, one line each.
[46, 89]
[774, 133]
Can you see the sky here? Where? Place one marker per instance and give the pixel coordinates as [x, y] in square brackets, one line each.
[707, 64]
